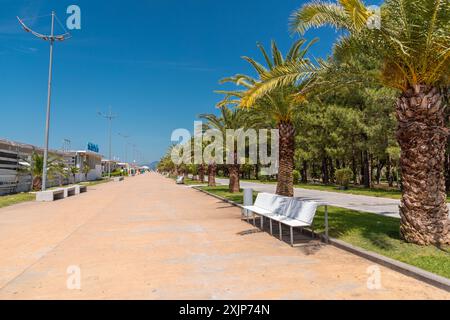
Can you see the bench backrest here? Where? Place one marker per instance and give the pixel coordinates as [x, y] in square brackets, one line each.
[272, 202]
[302, 210]
[180, 179]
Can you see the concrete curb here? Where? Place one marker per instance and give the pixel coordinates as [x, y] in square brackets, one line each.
[406, 269]
[219, 197]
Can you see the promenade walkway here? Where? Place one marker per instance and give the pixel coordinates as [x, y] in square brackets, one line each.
[147, 238]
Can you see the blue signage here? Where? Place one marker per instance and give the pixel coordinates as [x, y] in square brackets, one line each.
[93, 147]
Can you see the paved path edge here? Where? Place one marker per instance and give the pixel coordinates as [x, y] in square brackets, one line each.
[406, 269]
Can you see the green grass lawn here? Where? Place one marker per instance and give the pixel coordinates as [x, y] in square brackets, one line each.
[374, 192]
[11, 199]
[381, 192]
[84, 183]
[96, 182]
[223, 192]
[371, 232]
[191, 182]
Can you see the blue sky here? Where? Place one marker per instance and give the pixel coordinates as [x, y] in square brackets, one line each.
[156, 63]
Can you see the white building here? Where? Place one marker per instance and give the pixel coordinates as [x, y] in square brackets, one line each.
[15, 159]
[88, 163]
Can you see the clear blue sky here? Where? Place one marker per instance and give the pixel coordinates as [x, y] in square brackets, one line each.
[156, 62]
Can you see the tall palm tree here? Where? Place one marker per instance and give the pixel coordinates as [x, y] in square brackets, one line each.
[413, 48]
[236, 119]
[279, 105]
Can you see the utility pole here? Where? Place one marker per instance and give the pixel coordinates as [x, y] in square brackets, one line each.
[66, 145]
[51, 38]
[134, 153]
[109, 116]
[126, 145]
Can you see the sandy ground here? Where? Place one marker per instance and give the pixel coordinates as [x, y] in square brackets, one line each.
[147, 238]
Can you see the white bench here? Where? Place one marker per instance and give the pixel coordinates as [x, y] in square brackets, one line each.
[180, 180]
[267, 204]
[292, 212]
[69, 191]
[80, 189]
[50, 195]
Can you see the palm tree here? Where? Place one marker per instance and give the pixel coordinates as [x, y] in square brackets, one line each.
[236, 119]
[86, 169]
[62, 172]
[35, 168]
[73, 171]
[413, 48]
[166, 164]
[279, 105]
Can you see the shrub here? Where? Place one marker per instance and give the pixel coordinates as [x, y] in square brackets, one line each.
[116, 173]
[296, 175]
[343, 177]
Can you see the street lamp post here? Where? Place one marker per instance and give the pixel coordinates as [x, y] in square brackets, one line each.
[51, 38]
[109, 116]
[125, 137]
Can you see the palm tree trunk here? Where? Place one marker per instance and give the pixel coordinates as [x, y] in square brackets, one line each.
[285, 185]
[422, 136]
[447, 169]
[234, 170]
[37, 183]
[234, 178]
[212, 174]
[201, 173]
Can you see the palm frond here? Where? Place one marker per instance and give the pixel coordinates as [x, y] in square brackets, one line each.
[281, 76]
[265, 55]
[259, 68]
[317, 14]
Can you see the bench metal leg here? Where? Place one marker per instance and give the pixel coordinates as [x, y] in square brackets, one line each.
[292, 236]
[254, 220]
[271, 226]
[312, 231]
[281, 231]
[246, 214]
[262, 222]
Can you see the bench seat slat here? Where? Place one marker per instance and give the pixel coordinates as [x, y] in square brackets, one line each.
[289, 221]
[258, 210]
